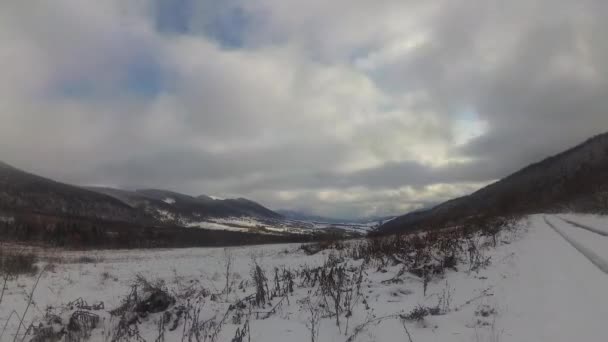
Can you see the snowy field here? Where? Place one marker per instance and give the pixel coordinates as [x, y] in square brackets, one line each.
[271, 226]
[534, 285]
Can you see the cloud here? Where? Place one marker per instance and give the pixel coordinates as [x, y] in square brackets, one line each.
[344, 108]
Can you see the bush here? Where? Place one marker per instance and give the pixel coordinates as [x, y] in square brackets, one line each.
[87, 260]
[18, 263]
[325, 244]
[417, 314]
[311, 248]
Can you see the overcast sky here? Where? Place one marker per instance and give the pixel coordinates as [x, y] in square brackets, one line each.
[342, 108]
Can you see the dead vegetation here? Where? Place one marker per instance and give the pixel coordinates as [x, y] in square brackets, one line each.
[17, 263]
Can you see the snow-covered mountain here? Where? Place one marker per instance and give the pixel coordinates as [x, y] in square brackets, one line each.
[169, 206]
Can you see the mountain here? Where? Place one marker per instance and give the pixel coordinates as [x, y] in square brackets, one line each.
[172, 206]
[25, 192]
[38, 210]
[574, 180]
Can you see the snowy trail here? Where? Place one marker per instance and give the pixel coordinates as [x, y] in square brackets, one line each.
[585, 226]
[554, 294]
[597, 223]
[582, 244]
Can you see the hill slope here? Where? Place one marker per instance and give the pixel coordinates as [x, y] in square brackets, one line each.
[168, 205]
[574, 180]
[24, 192]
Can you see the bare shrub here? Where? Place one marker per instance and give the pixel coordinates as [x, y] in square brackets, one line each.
[242, 332]
[13, 264]
[283, 282]
[81, 324]
[105, 276]
[261, 284]
[228, 260]
[145, 298]
[85, 259]
[418, 313]
[314, 317]
[340, 288]
[311, 248]
[445, 299]
[331, 242]
[29, 303]
[485, 311]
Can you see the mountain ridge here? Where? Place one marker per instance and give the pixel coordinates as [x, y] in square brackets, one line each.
[189, 207]
[27, 192]
[22, 191]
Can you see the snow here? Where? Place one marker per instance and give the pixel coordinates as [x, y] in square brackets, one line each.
[353, 227]
[213, 225]
[165, 215]
[260, 224]
[597, 222]
[169, 200]
[553, 293]
[537, 288]
[252, 223]
[239, 221]
[592, 245]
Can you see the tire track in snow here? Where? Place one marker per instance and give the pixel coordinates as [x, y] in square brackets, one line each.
[583, 226]
[595, 259]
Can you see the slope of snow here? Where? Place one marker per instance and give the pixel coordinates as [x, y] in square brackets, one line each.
[537, 288]
[169, 200]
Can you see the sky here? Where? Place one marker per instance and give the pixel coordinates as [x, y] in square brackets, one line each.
[342, 108]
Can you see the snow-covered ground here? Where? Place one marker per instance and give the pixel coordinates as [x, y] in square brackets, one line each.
[252, 223]
[347, 226]
[593, 222]
[262, 225]
[275, 225]
[537, 287]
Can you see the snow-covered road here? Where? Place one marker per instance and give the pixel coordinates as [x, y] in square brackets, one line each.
[583, 240]
[602, 232]
[557, 294]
